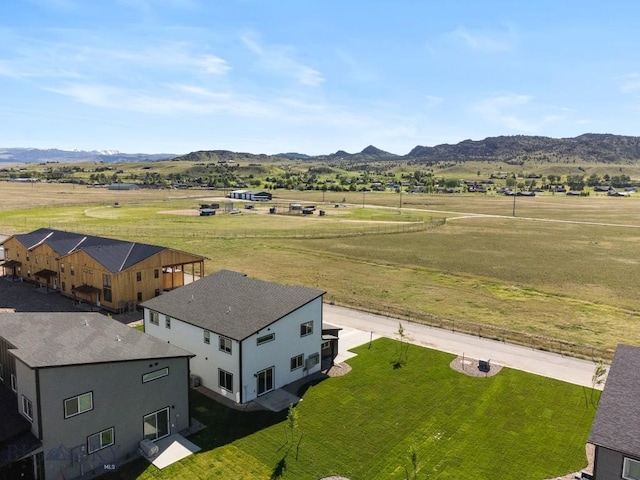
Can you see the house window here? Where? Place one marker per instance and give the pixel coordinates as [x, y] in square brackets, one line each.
[267, 338]
[62, 268]
[106, 288]
[167, 321]
[154, 318]
[312, 361]
[27, 408]
[138, 276]
[156, 424]
[36, 259]
[225, 380]
[139, 296]
[14, 383]
[296, 362]
[27, 256]
[148, 377]
[156, 273]
[225, 344]
[207, 336]
[77, 405]
[73, 270]
[326, 345]
[100, 440]
[631, 469]
[64, 286]
[306, 328]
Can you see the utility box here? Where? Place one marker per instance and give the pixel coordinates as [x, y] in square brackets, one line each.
[484, 364]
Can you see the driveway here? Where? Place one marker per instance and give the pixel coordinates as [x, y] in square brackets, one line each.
[359, 327]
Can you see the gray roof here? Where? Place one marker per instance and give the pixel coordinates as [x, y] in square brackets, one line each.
[232, 304]
[50, 339]
[114, 255]
[617, 424]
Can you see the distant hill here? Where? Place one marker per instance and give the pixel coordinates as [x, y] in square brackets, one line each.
[590, 147]
[36, 155]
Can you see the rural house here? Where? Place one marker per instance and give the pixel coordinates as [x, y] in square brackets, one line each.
[249, 336]
[80, 391]
[616, 428]
[112, 274]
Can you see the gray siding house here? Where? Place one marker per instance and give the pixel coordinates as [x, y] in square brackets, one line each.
[81, 391]
[616, 428]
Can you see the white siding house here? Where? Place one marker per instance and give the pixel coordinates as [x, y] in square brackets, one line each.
[249, 336]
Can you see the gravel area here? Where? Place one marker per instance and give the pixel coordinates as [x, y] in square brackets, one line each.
[469, 366]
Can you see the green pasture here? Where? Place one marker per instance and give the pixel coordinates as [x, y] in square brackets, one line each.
[367, 423]
[564, 269]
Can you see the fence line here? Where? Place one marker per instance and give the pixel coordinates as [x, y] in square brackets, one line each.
[151, 232]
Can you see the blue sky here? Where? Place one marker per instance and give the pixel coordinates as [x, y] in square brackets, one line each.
[312, 76]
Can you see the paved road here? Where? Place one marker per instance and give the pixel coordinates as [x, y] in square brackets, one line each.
[361, 326]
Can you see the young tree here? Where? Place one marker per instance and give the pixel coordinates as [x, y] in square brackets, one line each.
[598, 377]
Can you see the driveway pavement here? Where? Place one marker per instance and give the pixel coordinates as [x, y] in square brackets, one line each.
[359, 327]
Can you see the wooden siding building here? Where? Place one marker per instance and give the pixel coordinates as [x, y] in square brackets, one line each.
[112, 274]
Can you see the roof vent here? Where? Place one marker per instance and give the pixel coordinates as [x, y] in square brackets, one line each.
[86, 322]
[118, 339]
[228, 310]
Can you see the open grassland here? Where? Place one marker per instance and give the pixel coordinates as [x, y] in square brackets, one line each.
[565, 268]
[366, 424]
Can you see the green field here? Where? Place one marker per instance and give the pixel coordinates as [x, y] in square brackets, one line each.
[366, 424]
[562, 271]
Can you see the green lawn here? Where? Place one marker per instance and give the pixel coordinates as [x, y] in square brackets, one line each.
[365, 425]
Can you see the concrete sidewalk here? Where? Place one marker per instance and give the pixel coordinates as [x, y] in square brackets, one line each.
[560, 367]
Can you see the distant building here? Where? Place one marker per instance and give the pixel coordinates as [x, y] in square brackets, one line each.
[123, 186]
[251, 195]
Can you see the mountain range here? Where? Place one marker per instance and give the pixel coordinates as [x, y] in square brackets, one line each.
[590, 147]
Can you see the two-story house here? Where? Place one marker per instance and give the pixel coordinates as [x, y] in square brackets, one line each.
[249, 336]
[80, 391]
[109, 273]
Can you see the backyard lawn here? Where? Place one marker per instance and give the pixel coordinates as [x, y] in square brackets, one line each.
[367, 424]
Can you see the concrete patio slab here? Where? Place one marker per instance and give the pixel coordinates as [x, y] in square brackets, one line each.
[277, 400]
[172, 449]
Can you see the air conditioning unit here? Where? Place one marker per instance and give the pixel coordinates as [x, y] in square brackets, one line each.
[148, 448]
[195, 381]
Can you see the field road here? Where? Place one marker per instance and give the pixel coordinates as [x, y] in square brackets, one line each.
[360, 327]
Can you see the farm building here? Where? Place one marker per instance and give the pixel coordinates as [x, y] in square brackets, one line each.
[112, 274]
[251, 195]
[249, 336]
[123, 186]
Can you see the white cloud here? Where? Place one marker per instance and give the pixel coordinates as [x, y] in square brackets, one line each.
[487, 42]
[630, 83]
[432, 100]
[281, 59]
[506, 110]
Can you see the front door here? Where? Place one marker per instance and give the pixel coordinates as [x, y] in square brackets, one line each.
[265, 381]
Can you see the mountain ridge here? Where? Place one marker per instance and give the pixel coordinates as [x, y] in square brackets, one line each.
[589, 147]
